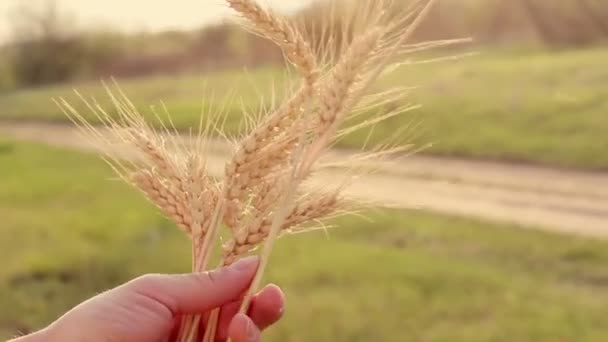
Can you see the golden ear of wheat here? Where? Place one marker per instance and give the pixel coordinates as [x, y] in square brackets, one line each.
[173, 179]
[267, 147]
[282, 32]
[309, 209]
[165, 197]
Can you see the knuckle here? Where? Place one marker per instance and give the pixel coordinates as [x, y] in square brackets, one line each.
[210, 278]
[148, 292]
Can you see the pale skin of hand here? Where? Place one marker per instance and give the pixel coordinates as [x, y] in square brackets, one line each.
[148, 308]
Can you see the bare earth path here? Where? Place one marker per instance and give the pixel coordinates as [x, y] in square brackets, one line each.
[565, 201]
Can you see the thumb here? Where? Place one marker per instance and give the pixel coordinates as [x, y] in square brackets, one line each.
[198, 292]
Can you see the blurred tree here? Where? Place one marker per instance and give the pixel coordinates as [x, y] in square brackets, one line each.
[42, 50]
[597, 14]
[6, 76]
[46, 46]
[542, 23]
[213, 46]
[567, 23]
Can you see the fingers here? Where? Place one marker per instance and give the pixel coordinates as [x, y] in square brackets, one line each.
[266, 308]
[242, 329]
[195, 293]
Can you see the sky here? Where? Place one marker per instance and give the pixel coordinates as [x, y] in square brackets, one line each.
[137, 15]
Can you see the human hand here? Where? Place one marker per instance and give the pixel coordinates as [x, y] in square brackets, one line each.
[149, 308]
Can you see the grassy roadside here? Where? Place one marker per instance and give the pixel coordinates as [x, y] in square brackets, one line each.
[545, 107]
[68, 231]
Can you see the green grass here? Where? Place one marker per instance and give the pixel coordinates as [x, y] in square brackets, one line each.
[533, 106]
[68, 231]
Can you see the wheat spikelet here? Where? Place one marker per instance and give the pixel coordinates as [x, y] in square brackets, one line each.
[266, 194]
[337, 98]
[258, 182]
[336, 93]
[269, 129]
[299, 53]
[266, 149]
[267, 160]
[276, 28]
[157, 155]
[164, 197]
[311, 208]
[201, 195]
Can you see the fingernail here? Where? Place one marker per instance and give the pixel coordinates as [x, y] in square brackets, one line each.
[246, 263]
[278, 289]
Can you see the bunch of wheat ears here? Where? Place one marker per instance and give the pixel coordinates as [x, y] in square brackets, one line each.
[263, 193]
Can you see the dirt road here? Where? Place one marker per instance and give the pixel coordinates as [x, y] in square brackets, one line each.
[565, 201]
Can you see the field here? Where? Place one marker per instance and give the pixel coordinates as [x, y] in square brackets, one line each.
[547, 107]
[510, 246]
[69, 230]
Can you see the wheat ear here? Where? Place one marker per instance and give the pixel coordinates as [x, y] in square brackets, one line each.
[309, 209]
[261, 150]
[279, 30]
[253, 147]
[343, 77]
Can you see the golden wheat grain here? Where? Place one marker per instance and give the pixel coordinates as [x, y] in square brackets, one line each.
[279, 30]
[338, 88]
[262, 152]
[201, 194]
[252, 148]
[164, 197]
[267, 194]
[157, 155]
[310, 209]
